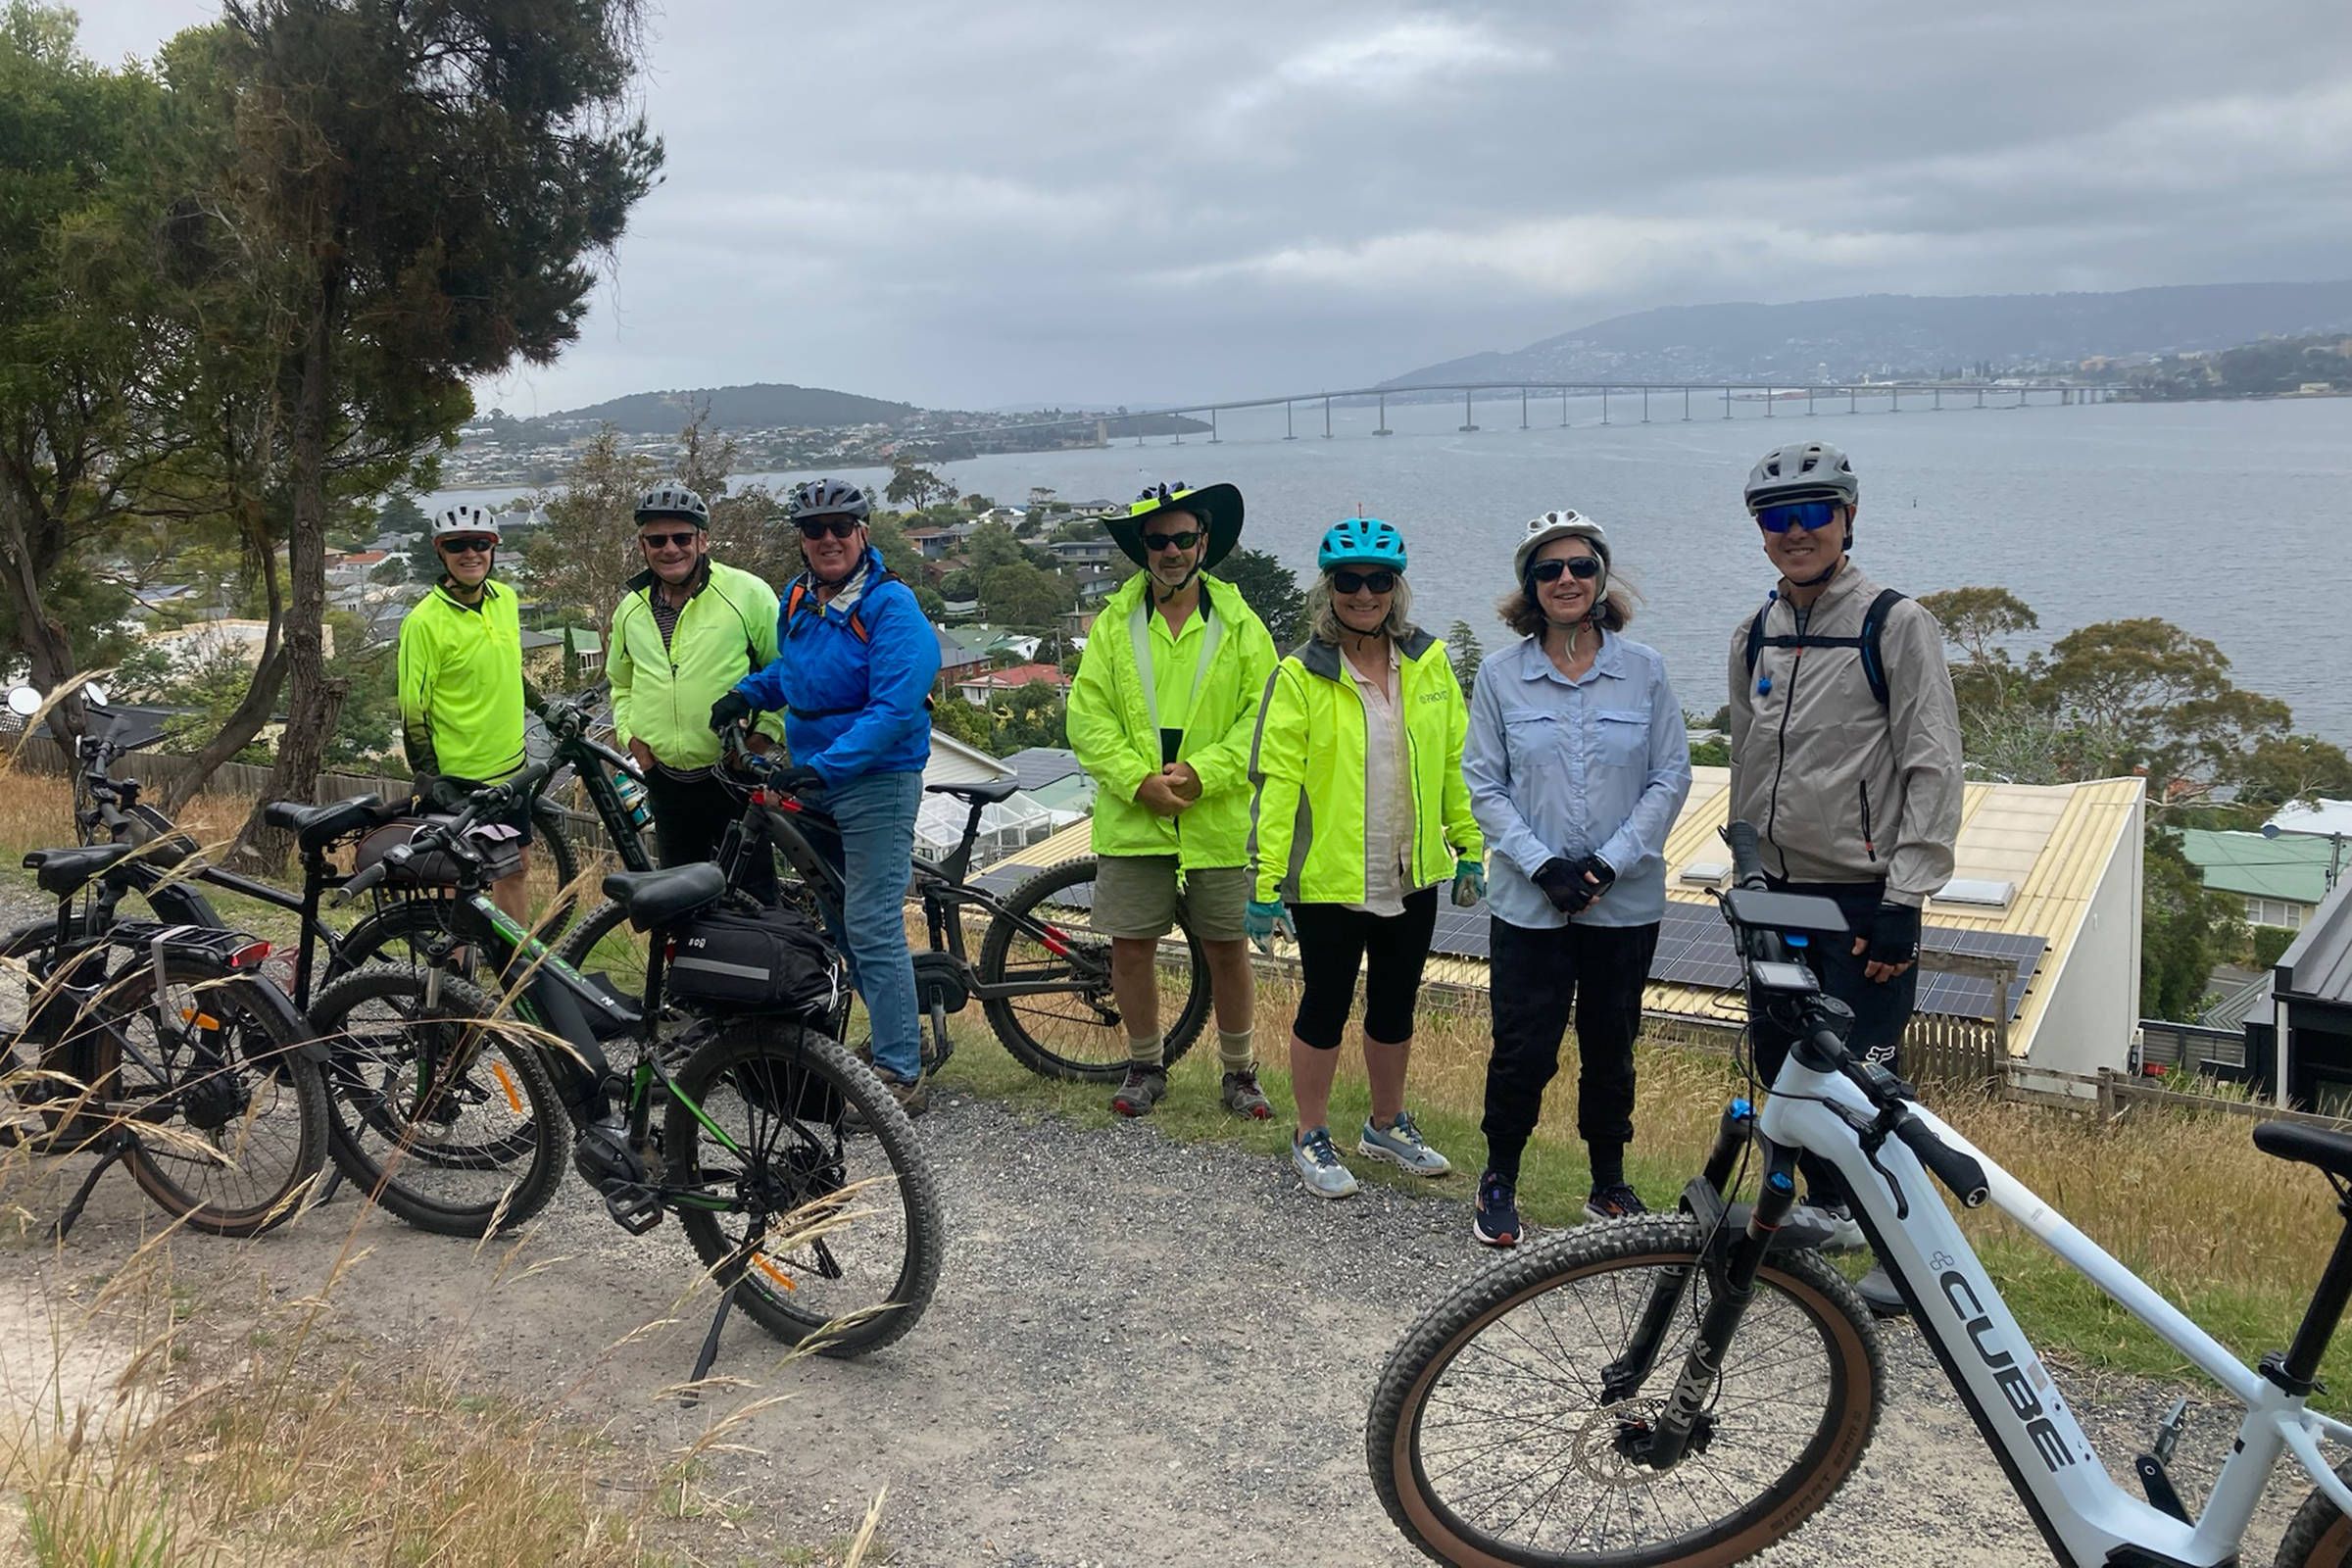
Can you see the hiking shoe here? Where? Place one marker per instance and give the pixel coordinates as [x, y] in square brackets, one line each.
[913, 1095]
[1845, 1234]
[1496, 1222]
[1399, 1142]
[1614, 1202]
[1879, 1294]
[1243, 1098]
[1144, 1088]
[1318, 1166]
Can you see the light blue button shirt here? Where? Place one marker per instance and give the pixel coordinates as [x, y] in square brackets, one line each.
[1599, 766]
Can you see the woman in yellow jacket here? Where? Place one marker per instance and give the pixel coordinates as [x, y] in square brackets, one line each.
[1360, 812]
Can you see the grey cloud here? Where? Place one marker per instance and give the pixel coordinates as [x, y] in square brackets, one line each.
[1047, 199]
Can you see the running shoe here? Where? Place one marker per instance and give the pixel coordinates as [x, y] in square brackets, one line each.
[1144, 1088]
[1616, 1202]
[1496, 1222]
[1318, 1166]
[1401, 1143]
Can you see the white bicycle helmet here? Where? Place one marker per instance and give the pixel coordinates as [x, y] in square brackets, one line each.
[465, 522]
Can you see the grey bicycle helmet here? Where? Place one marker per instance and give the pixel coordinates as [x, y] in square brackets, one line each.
[672, 501]
[826, 498]
[1802, 471]
[1565, 523]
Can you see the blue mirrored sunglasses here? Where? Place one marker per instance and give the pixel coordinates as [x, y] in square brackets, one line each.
[1805, 515]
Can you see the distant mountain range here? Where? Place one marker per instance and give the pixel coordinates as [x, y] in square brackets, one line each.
[1903, 334]
[764, 406]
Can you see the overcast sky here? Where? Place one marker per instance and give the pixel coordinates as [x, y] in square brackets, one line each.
[978, 205]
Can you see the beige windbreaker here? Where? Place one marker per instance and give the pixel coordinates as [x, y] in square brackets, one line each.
[1842, 789]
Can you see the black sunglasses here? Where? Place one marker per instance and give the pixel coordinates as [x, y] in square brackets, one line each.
[1584, 569]
[467, 547]
[818, 527]
[655, 541]
[1172, 541]
[1355, 582]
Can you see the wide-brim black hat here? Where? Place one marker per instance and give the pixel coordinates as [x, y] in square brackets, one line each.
[1217, 505]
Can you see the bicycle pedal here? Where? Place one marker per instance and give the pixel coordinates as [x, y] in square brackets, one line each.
[635, 1210]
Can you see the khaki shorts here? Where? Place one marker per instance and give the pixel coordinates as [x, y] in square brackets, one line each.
[1135, 896]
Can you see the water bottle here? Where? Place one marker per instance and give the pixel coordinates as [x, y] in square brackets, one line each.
[633, 802]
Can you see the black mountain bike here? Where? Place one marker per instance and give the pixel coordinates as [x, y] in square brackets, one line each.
[796, 1177]
[1042, 974]
[164, 1048]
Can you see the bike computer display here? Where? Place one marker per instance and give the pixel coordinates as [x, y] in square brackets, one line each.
[1788, 979]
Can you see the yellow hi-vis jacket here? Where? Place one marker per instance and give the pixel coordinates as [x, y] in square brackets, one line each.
[1306, 825]
[1112, 727]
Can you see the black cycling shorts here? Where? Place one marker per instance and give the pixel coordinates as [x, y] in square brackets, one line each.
[1334, 941]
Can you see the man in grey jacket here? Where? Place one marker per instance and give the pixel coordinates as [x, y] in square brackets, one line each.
[1846, 755]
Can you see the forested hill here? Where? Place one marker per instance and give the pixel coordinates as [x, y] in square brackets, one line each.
[1903, 334]
[764, 406]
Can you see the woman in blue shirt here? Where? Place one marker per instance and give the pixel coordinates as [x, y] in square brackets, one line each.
[1578, 763]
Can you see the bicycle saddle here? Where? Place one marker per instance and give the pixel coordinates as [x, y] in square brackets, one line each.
[318, 826]
[2307, 1145]
[985, 791]
[62, 872]
[656, 898]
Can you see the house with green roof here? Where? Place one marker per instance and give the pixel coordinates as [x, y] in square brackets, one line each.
[2283, 880]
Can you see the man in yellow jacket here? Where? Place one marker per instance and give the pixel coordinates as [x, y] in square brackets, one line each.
[1161, 716]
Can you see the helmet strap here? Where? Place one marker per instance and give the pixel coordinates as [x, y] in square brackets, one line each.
[1824, 576]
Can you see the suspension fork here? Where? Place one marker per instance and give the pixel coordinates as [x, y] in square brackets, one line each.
[1735, 1289]
[1706, 1199]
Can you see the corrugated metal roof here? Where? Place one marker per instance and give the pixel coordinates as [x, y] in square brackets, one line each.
[2054, 843]
[2294, 866]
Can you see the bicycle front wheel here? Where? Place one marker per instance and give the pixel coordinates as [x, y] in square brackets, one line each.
[442, 1115]
[828, 1239]
[1066, 1024]
[1490, 1443]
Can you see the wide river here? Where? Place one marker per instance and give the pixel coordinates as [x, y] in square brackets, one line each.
[2231, 520]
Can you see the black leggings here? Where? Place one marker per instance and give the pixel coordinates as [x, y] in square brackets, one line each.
[1332, 943]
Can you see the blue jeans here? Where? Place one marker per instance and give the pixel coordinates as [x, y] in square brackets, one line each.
[876, 856]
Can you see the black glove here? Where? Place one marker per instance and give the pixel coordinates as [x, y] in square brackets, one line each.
[1564, 885]
[796, 777]
[1894, 934]
[1593, 866]
[729, 711]
[441, 795]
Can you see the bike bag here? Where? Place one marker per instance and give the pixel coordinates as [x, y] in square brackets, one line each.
[774, 960]
[500, 846]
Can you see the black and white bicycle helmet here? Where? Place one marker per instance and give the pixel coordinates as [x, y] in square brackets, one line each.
[1803, 471]
[464, 522]
[1565, 523]
[826, 498]
[672, 501]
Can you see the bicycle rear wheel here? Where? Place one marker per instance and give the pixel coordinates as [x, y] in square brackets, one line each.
[230, 1115]
[1490, 1444]
[828, 1239]
[1069, 1026]
[455, 1127]
[2318, 1536]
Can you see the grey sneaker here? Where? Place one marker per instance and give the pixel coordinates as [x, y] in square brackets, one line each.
[1243, 1098]
[1399, 1142]
[1845, 1233]
[1144, 1088]
[1318, 1166]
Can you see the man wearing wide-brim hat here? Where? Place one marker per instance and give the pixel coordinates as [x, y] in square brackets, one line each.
[1161, 716]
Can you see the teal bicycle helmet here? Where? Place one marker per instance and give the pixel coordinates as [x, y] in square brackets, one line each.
[1361, 542]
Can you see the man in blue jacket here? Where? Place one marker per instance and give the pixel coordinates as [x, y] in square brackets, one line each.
[854, 664]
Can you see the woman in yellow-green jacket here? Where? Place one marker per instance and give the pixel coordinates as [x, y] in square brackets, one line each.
[1360, 812]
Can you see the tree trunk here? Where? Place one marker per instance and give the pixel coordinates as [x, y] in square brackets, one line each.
[47, 647]
[268, 679]
[316, 700]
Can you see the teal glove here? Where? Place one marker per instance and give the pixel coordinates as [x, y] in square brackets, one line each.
[1469, 883]
[1260, 920]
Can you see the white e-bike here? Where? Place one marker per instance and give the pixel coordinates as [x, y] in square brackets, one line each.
[1687, 1390]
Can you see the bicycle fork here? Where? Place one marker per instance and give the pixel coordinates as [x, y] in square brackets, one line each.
[1682, 1427]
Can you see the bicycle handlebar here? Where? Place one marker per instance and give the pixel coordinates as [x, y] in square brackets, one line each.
[1956, 1170]
[449, 835]
[1747, 860]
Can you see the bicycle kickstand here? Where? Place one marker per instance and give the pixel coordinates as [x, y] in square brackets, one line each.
[709, 1352]
[117, 1144]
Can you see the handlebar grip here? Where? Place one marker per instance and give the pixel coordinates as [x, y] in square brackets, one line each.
[365, 881]
[1958, 1172]
[1747, 860]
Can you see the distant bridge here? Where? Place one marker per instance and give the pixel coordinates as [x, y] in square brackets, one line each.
[1675, 395]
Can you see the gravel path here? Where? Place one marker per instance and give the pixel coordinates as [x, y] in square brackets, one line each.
[1138, 1348]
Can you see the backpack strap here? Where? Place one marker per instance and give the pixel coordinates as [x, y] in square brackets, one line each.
[1868, 644]
[858, 629]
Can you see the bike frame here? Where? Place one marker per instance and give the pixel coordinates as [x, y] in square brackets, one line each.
[2083, 1514]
